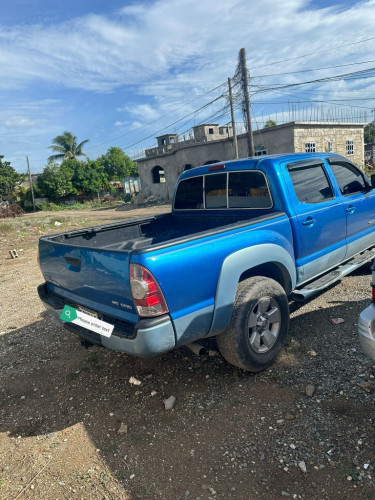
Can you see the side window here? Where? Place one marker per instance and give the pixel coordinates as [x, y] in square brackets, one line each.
[311, 184]
[216, 191]
[348, 177]
[189, 194]
[248, 190]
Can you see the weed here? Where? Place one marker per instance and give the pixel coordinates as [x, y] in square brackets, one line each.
[281, 376]
[292, 346]
[148, 491]
[72, 376]
[349, 469]
[236, 401]
[2, 482]
[6, 227]
[103, 477]
[92, 358]
[120, 475]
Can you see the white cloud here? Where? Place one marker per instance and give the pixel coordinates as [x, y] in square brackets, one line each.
[189, 41]
[159, 56]
[20, 122]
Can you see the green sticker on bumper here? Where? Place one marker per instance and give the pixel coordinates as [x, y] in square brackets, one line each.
[68, 314]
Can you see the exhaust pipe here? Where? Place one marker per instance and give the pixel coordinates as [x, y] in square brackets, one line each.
[196, 348]
[86, 344]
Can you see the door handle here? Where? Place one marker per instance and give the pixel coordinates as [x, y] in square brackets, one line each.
[350, 209]
[309, 222]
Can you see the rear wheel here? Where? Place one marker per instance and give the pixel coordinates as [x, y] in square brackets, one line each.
[259, 325]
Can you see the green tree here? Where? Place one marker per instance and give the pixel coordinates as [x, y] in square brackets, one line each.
[117, 164]
[270, 123]
[56, 180]
[9, 178]
[90, 177]
[369, 133]
[66, 147]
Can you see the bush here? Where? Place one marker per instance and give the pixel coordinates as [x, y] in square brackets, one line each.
[48, 206]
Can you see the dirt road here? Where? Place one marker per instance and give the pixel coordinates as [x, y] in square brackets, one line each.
[231, 435]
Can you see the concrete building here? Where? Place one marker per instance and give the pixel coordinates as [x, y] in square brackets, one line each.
[210, 143]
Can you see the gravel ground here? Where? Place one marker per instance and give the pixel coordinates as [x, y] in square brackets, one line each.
[92, 424]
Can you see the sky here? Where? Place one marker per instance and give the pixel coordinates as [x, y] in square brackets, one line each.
[120, 73]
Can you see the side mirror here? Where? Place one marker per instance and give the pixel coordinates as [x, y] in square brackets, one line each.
[373, 180]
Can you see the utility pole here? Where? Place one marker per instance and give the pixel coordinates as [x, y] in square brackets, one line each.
[31, 183]
[233, 122]
[250, 142]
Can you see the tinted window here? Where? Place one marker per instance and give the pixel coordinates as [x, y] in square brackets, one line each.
[216, 191]
[311, 184]
[189, 194]
[248, 190]
[349, 178]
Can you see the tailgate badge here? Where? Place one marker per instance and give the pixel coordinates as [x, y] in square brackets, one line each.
[125, 306]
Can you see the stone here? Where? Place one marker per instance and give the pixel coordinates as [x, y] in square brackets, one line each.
[123, 429]
[310, 390]
[367, 386]
[169, 402]
[302, 466]
[134, 381]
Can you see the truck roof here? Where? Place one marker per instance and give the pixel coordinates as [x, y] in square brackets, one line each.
[252, 162]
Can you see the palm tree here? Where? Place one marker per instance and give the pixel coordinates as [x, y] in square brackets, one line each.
[66, 147]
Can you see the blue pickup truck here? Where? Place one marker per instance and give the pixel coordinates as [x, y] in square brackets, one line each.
[243, 237]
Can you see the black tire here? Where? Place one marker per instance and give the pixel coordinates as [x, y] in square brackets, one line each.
[259, 325]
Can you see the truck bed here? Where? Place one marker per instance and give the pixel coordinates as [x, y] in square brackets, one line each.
[142, 233]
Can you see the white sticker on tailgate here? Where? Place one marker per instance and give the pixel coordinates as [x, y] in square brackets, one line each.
[80, 318]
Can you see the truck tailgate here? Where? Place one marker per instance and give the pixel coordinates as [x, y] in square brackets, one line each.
[97, 279]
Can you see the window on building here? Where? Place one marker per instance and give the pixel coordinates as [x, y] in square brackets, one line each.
[210, 130]
[330, 147]
[311, 184]
[164, 142]
[260, 150]
[188, 166]
[309, 147]
[158, 175]
[172, 140]
[350, 148]
[349, 178]
[211, 161]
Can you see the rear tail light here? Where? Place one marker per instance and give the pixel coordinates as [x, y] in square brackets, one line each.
[147, 296]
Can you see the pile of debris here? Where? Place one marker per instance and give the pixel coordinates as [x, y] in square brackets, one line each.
[10, 210]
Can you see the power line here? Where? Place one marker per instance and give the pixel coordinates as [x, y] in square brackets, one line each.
[314, 69]
[344, 76]
[156, 119]
[314, 53]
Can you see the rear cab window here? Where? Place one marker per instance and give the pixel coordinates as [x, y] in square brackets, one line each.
[229, 190]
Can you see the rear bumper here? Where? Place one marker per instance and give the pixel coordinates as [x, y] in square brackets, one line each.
[366, 331]
[149, 337]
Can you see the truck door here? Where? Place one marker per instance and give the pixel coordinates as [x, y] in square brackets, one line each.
[359, 202]
[319, 224]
